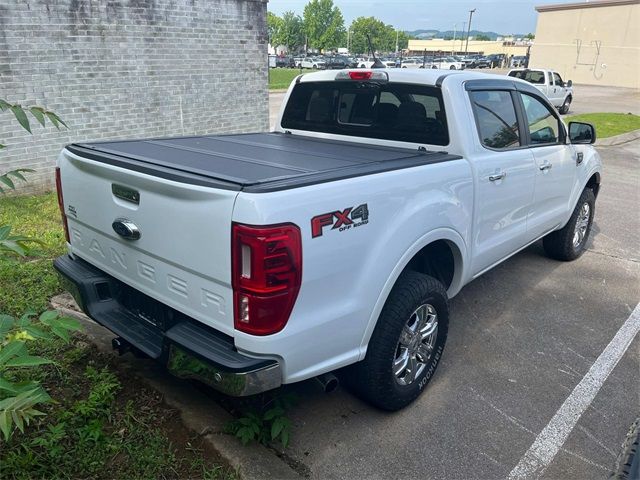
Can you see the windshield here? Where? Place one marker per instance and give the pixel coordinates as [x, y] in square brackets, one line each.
[392, 111]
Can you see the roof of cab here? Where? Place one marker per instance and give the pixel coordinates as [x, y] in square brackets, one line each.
[428, 76]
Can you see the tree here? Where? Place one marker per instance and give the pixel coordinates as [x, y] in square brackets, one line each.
[324, 25]
[383, 37]
[292, 31]
[482, 38]
[274, 26]
[363, 26]
[19, 399]
[530, 36]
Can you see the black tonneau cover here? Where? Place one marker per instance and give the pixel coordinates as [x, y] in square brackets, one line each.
[255, 162]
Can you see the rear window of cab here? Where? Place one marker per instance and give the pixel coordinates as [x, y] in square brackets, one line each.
[389, 111]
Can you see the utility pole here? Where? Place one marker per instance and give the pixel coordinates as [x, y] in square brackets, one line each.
[464, 27]
[397, 36]
[349, 41]
[466, 47]
[454, 39]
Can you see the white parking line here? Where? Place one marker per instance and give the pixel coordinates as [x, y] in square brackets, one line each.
[550, 440]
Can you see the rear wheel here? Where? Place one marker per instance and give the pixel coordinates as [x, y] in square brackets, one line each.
[406, 345]
[452, 67]
[570, 242]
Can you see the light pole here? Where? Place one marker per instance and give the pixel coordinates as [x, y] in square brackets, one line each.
[466, 47]
[397, 36]
[454, 39]
[349, 41]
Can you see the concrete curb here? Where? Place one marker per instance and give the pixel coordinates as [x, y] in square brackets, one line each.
[198, 412]
[618, 139]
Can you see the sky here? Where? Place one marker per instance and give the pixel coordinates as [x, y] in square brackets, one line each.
[515, 16]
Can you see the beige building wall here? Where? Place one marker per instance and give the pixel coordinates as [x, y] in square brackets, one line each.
[475, 46]
[595, 43]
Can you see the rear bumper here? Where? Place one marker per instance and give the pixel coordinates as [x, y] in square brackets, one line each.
[188, 348]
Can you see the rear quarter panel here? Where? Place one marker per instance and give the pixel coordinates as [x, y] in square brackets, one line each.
[348, 274]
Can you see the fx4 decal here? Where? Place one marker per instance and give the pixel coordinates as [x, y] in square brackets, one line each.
[340, 220]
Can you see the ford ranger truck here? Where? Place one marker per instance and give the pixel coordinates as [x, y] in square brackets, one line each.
[335, 242]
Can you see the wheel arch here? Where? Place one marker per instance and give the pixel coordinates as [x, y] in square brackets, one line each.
[420, 257]
[594, 183]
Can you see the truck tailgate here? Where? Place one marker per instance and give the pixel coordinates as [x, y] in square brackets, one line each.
[183, 255]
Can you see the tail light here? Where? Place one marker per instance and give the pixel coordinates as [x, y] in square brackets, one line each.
[266, 264]
[61, 205]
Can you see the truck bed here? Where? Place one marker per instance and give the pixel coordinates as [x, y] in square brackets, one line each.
[255, 162]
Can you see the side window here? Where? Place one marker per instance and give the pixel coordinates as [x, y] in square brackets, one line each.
[557, 80]
[544, 127]
[496, 119]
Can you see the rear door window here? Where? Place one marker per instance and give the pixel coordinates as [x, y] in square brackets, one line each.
[496, 119]
[390, 111]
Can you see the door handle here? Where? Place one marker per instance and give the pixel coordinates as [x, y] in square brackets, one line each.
[497, 176]
[546, 166]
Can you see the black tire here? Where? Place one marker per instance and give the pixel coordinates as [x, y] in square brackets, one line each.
[373, 379]
[564, 109]
[628, 462]
[452, 67]
[560, 244]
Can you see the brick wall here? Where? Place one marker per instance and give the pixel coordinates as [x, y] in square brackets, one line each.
[129, 68]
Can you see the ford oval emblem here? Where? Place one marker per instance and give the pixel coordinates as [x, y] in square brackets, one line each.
[126, 229]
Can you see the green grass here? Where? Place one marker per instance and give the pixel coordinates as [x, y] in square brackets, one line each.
[608, 124]
[103, 425]
[280, 78]
[30, 282]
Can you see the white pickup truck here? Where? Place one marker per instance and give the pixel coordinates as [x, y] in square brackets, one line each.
[255, 260]
[549, 82]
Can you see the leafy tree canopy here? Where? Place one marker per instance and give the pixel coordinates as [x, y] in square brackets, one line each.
[383, 37]
[324, 25]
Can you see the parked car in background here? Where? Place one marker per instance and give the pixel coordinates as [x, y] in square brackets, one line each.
[285, 62]
[448, 63]
[412, 63]
[518, 61]
[364, 62]
[298, 61]
[338, 62]
[496, 60]
[549, 82]
[480, 62]
[389, 62]
[315, 63]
